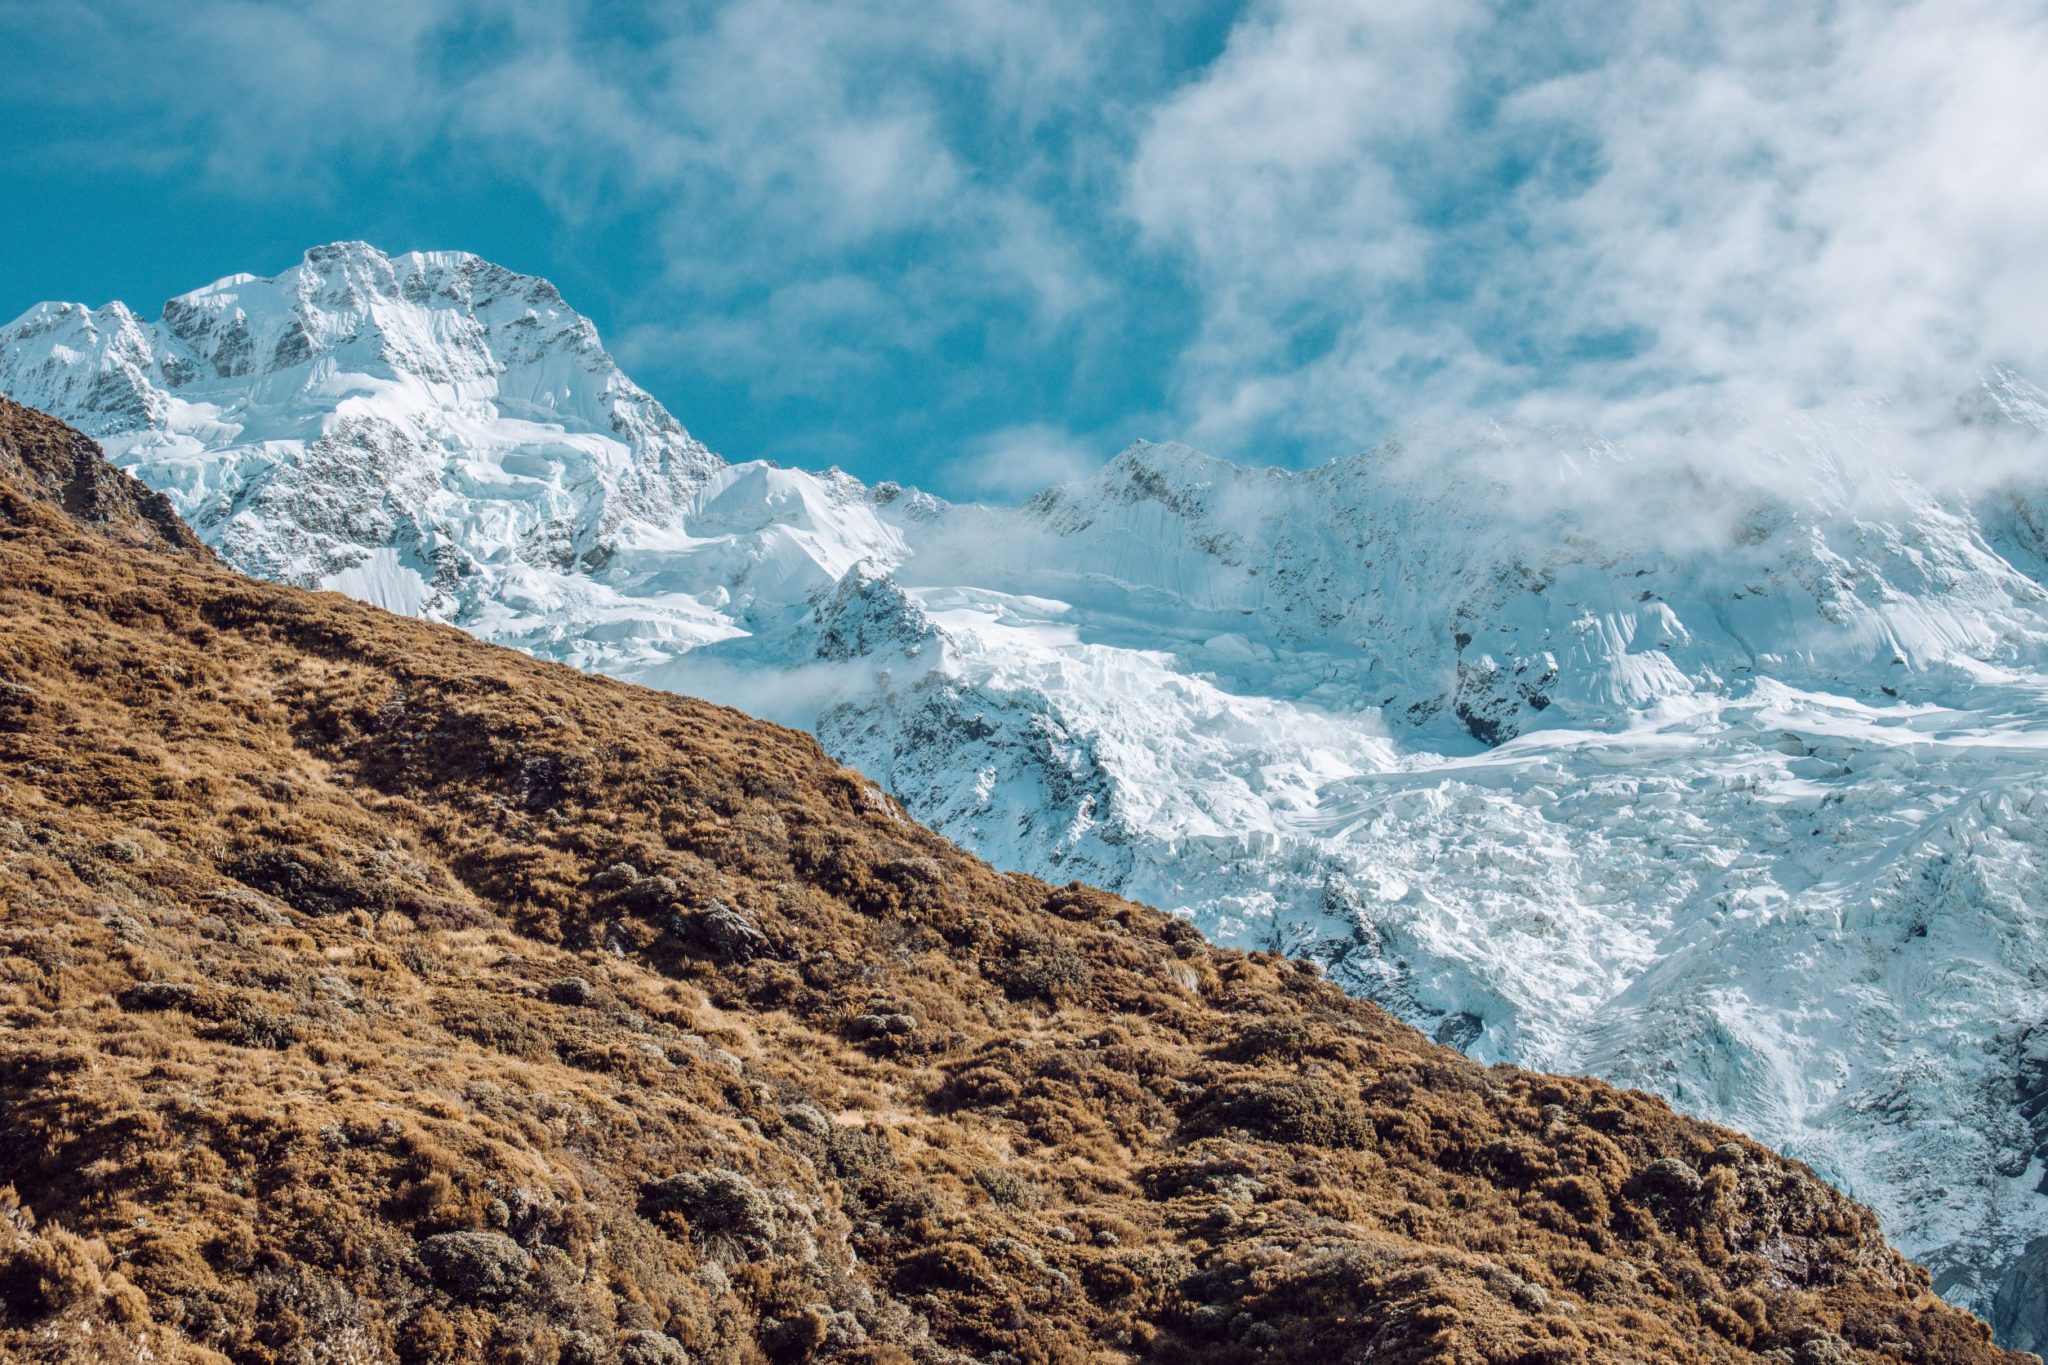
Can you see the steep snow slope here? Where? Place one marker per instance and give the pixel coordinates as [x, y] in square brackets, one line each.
[1726, 782]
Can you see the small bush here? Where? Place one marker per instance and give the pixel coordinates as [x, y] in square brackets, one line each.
[572, 990]
[726, 1213]
[48, 1271]
[1009, 1189]
[1670, 1189]
[651, 1348]
[307, 882]
[1284, 1040]
[1286, 1109]
[476, 1266]
[1042, 966]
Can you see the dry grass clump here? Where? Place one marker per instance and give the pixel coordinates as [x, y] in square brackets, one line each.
[371, 994]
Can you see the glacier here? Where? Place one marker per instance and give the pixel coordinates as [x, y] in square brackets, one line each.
[1725, 776]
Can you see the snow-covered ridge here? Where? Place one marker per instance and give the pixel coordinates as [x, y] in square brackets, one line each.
[1722, 775]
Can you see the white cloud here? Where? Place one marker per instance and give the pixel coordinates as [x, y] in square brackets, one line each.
[1358, 215]
[1019, 461]
[807, 336]
[261, 96]
[773, 138]
[1565, 206]
[1269, 170]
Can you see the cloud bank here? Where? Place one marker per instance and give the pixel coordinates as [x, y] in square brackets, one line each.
[970, 240]
[1561, 208]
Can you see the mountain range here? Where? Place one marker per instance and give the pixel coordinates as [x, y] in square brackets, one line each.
[1716, 773]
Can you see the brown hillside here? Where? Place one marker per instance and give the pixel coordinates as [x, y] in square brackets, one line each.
[368, 993]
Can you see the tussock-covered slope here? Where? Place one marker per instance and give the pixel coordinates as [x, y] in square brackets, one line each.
[58, 466]
[369, 993]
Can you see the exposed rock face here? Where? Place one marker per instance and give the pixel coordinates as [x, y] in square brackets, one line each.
[2019, 1314]
[287, 1069]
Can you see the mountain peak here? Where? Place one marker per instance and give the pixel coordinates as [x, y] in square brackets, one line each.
[2007, 397]
[1161, 456]
[468, 329]
[394, 392]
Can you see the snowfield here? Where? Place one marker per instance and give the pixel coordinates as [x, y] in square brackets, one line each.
[1724, 776]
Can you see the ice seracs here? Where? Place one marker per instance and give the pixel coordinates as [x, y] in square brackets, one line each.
[1725, 774]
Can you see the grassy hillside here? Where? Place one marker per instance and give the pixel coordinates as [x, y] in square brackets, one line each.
[368, 993]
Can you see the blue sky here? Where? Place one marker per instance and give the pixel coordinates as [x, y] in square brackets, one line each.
[982, 244]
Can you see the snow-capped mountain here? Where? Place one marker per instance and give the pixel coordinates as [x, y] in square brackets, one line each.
[1723, 776]
[432, 431]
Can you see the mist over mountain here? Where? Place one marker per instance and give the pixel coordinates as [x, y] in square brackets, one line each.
[1707, 760]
